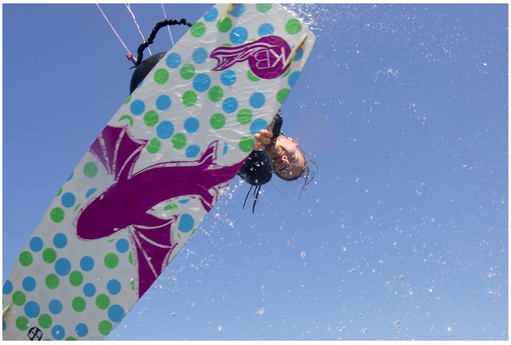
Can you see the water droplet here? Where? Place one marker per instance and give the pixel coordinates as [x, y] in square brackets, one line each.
[219, 327]
[302, 254]
[352, 270]
[363, 330]
[260, 311]
[173, 314]
[193, 304]
[449, 328]
[397, 322]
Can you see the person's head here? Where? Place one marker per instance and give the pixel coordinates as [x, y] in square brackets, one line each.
[288, 161]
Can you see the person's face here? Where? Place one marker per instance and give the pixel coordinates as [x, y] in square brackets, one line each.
[286, 159]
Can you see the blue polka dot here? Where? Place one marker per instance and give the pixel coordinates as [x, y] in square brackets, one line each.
[228, 78]
[225, 148]
[81, 330]
[238, 35]
[298, 55]
[163, 102]
[186, 223]
[60, 240]
[265, 29]
[201, 82]
[191, 125]
[257, 100]
[192, 151]
[4, 325]
[230, 105]
[137, 107]
[292, 78]
[68, 200]
[70, 176]
[173, 60]
[113, 286]
[55, 307]
[32, 309]
[199, 55]
[183, 201]
[258, 125]
[115, 313]
[62, 267]
[90, 192]
[7, 287]
[238, 10]
[87, 263]
[211, 15]
[36, 244]
[89, 290]
[122, 245]
[165, 129]
[58, 332]
[28, 284]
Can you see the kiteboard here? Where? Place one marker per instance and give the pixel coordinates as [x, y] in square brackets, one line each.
[154, 173]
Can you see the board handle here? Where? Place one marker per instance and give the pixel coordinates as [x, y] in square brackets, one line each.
[6, 309]
[295, 50]
[227, 11]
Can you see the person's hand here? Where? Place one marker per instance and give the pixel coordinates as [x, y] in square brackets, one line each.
[263, 139]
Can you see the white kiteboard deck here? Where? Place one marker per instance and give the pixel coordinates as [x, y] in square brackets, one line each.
[153, 174]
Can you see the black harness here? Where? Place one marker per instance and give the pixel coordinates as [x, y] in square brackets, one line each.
[257, 169]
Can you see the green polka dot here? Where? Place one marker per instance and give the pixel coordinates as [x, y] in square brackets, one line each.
[102, 301]
[44, 320]
[189, 98]
[217, 121]
[90, 169]
[70, 338]
[78, 304]
[127, 117]
[52, 281]
[49, 255]
[224, 25]
[179, 141]
[287, 72]
[161, 76]
[215, 93]
[263, 8]
[57, 214]
[187, 71]
[76, 278]
[129, 99]
[60, 191]
[26, 259]
[18, 298]
[151, 118]
[282, 95]
[111, 260]
[227, 45]
[244, 116]
[105, 327]
[246, 144]
[251, 76]
[130, 258]
[132, 285]
[154, 145]
[22, 323]
[170, 207]
[198, 29]
[293, 26]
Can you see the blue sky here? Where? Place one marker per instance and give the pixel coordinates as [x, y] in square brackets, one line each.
[401, 235]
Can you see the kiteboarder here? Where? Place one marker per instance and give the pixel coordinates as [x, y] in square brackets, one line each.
[274, 152]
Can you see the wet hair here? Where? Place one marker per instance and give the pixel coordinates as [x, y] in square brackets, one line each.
[307, 174]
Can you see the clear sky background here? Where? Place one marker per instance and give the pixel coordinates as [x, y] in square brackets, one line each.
[403, 234]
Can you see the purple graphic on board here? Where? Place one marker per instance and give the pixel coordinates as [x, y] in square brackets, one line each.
[125, 203]
[266, 56]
